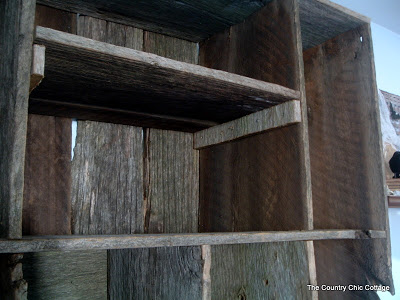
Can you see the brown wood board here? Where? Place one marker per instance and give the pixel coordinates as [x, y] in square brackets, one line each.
[345, 149]
[186, 19]
[84, 71]
[47, 189]
[16, 35]
[245, 184]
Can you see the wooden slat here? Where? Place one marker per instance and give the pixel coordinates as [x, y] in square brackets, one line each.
[346, 155]
[394, 201]
[16, 35]
[122, 241]
[281, 115]
[130, 80]
[189, 20]
[37, 69]
[393, 184]
[171, 199]
[47, 190]
[322, 20]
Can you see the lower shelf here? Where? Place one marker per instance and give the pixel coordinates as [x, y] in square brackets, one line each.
[98, 242]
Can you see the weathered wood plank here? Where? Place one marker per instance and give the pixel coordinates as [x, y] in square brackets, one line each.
[123, 241]
[119, 150]
[66, 275]
[173, 187]
[281, 115]
[55, 18]
[264, 271]
[171, 205]
[322, 20]
[107, 192]
[346, 156]
[186, 19]
[146, 83]
[47, 189]
[16, 35]
[37, 69]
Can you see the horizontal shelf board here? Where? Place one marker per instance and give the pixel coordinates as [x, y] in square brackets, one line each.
[193, 20]
[83, 71]
[322, 20]
[74, 242]
[284, 114]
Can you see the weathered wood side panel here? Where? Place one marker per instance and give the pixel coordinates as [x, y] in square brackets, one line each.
[263, 271]
[245, 184]
[346, 159]
[171, 206]
[16, 36]
[47, 190]
[66, 275]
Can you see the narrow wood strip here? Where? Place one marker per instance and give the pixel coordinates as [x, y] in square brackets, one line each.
[37, 70]
[93, 242]
[394, 201]
[274, 117]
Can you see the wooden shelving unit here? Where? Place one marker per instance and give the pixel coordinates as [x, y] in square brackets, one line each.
[215, 148]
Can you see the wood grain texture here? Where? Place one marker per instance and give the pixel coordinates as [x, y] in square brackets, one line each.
[345, 132]
[322, 20]
[173, 187]
[264, 271]
[246, 183]
[98, 242]
[186, 19]
[281, 115]
[107, 191]
[171, 205]
[66, 275]
[47, 189]
[16, 35]
[146, 83]
[37, 68]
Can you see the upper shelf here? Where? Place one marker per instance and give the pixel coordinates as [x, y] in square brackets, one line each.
[196, 20]
[88, 79]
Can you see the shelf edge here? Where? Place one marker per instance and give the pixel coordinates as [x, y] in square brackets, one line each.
[103, 242]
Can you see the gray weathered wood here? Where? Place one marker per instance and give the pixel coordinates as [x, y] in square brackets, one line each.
[190, 20]
[345, 132]
[37, 69]
[107, 170]
[322, 20]
[123, 241]
[171, 205]
[284, 114]
[264, 271]
[173, 186]
[16, 35]
[66, 275]
[131, 80]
